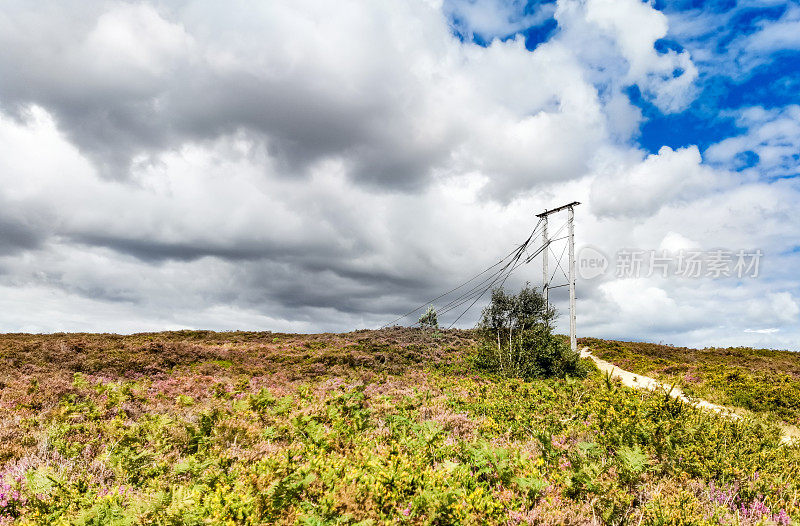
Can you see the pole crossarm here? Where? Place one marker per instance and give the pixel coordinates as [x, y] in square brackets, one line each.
[559, 209]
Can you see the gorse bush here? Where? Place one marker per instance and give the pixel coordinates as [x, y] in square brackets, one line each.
[517, 340]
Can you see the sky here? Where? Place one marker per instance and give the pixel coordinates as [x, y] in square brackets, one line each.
[310, 166]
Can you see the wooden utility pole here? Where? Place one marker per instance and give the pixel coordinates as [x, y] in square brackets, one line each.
[571, 279]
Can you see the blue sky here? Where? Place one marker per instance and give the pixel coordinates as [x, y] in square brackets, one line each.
[728, 80]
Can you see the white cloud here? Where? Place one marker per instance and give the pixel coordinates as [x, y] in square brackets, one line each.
[784, 306]
[669, 177]
[641, 304]
[735, 41]
[623, 117]
[781, 35]
[494, 18]
[605, 31]
[130, 41]
[674, 242]
[773, 135]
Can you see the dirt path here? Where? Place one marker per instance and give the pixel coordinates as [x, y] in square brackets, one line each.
[639, 381]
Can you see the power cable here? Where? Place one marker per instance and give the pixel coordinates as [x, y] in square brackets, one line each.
[538, 251]
[515, 255]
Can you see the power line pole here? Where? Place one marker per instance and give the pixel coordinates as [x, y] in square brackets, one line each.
[573, 343]
[545, 272]
[546, 278]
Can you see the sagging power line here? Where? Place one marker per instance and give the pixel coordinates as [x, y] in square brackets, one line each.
[497, 274]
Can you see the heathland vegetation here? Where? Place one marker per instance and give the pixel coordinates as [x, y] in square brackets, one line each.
[763, 381]
[400, 426]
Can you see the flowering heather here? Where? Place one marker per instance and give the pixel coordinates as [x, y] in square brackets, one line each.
[371, 427]
[690, 378]
[12, 499]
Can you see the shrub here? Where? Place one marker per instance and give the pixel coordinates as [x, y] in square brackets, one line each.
[517, 340]
[429, 320]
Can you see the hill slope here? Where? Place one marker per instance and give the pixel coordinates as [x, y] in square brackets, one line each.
[760, 380]
[368, 427]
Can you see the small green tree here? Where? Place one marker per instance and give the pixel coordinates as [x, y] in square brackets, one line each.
[429, 320]
[517, 339]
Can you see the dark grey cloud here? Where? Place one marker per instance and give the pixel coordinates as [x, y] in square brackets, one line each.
[117, 109]
[153, 250]
[22, 227]
[16, 235]
[293, 277]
